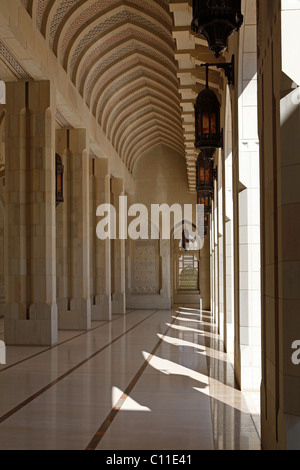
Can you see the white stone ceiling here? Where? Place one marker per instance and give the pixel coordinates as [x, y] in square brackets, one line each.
[120, 56]
[137, 66]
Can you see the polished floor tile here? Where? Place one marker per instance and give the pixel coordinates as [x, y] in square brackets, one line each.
[147, 380]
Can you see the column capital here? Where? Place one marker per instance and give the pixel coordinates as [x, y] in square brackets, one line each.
[117, 186]
[78, 141]
[101, 167]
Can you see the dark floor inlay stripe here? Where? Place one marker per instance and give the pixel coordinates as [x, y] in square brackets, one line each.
[66, 374]
[106, 322]
[114, 412]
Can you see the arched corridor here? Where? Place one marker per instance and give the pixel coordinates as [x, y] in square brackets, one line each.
[149, 229]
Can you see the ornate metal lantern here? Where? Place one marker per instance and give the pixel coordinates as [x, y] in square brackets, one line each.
[205, 182]
[208, 132]
[204, 173]
[59, 174]
[216, 20]
[205, 199]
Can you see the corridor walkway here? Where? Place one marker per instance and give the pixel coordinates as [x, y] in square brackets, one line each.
[149, 380]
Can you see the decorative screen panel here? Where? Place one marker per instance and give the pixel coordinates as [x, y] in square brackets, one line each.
[188, 272]
[145, 279]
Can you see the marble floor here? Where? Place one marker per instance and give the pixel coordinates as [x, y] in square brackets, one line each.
[148, 380]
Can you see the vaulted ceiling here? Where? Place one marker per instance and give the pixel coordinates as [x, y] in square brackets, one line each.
[120, 56]
[134, 63]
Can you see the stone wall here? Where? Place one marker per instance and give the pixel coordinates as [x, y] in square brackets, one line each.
[160, 178]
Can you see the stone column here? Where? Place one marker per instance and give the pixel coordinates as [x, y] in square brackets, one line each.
[165, 263]
[249, 314]
[119, 287]
[31, 311]
[77, 315]
[63, 212]
[221, 237]
[100, 194]
[204, 278]
[216, 257]
[242, 211]
[279, 123]
[212, 268]
[228, 234]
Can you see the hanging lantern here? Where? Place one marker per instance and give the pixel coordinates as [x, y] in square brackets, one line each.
[205, 183]
[204, 198]
[59, 174]
[208, 132]
[204, 173]
[216, 20]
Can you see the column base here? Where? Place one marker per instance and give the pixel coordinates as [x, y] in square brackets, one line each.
[288, 425]
[250, 368]
[102, 310]
[118, 304]
[289, 431]
[268, 439]
[78, 318]
[39, 330]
